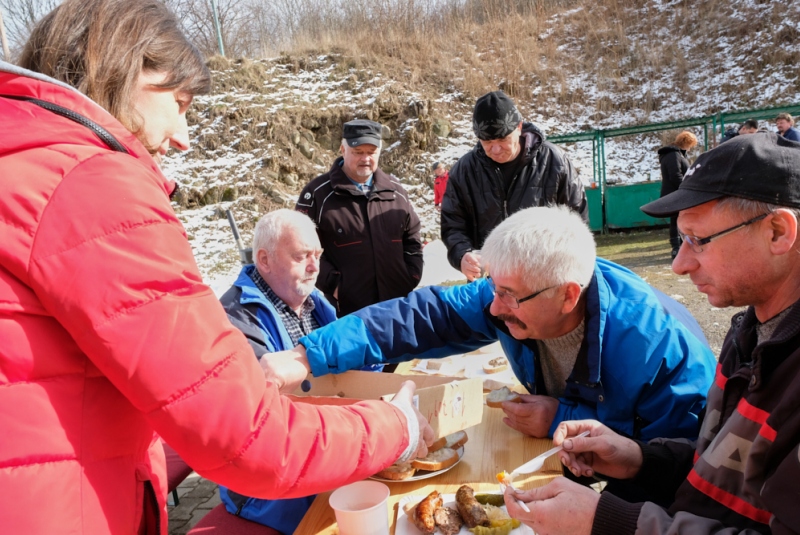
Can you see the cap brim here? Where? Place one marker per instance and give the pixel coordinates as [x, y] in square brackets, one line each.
[364, 140]
[676, 201]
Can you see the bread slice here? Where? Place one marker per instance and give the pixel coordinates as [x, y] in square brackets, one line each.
[452, 441]
[496, 365]
[437, 460]
[397, 471]
[495, 398]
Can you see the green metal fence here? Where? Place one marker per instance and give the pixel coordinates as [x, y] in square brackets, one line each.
[617, 207]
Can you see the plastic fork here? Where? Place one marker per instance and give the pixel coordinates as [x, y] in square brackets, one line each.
[512, 487]
[537, 462]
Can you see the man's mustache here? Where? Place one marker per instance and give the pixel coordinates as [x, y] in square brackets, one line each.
[508, 318]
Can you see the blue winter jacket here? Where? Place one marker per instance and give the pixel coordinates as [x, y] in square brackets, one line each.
[644, 369]
[252, 313]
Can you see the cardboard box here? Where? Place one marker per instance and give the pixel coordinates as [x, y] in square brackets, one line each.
[450, 404]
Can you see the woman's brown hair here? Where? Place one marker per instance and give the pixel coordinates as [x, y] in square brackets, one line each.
[101, 46]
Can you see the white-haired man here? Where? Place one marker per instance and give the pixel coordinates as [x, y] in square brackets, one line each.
[586, 337]
[274, 303]
[739, 207]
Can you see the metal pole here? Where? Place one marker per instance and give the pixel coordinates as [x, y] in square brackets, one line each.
[216, 25]
[6, 52]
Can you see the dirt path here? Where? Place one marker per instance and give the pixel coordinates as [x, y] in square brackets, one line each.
[647, 254]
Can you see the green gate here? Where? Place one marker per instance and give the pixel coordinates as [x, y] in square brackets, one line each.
[617, 207]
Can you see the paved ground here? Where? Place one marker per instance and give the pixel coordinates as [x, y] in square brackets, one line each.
[196, 497]
[646, 253]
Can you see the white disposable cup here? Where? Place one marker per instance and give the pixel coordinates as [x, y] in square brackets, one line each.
[361, 508]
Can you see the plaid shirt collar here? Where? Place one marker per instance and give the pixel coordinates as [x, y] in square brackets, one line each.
[296, 325]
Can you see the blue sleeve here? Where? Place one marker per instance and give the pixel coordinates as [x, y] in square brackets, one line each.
[431, 322]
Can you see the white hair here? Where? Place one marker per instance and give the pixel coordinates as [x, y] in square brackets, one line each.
[272, 227]
[547, 246]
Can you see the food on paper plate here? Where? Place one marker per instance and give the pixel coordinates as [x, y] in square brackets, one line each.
[437, 460]
[422, 514]
[495, 398]
[490, 499]
[447, 520]
[470, 510]
[496, 365]
[488, 519]
[452, 441]
[397, 471]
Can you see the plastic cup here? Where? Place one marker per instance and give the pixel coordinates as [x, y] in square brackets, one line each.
[361, 508]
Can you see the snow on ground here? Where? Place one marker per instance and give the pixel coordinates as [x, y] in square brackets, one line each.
[327, 84]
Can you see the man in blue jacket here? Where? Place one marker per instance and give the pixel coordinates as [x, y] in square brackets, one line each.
[586, 337]
[274, 303]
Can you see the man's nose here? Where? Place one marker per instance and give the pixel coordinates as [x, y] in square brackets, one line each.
[684, 262]
[497, 307]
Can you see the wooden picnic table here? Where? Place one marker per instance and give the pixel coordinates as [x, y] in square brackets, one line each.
[492, 448]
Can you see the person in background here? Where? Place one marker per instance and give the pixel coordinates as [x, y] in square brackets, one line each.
[785, 124]
[367, 226]
[739, 208]
[512, 167]
[439, 184]
[109, 336]
[674, 165]
[750, 126]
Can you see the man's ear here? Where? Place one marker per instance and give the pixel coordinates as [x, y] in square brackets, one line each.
[262, 261]
[572, 295]
[783, 231]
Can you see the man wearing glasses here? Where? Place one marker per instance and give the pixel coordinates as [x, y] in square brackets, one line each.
[739, 208]
[587, 338]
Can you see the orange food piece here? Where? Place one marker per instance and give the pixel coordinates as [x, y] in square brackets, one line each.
[502, 476]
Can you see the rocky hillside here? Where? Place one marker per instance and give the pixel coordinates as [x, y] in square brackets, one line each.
[271, 125]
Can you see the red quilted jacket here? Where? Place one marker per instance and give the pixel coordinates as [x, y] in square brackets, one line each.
[108, 335]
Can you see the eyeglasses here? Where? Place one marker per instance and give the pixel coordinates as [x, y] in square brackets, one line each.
[696, 244]
[509, 300]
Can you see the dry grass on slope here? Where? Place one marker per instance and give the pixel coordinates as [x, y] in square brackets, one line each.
[604, 55]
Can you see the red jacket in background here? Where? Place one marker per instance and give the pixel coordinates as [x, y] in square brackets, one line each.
[110, 336]
[439, 187]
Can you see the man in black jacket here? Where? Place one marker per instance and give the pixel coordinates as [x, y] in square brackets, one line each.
[512, 167]
[366, 224]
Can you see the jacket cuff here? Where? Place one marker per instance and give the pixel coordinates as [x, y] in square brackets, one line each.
[413, 429]
[615, 516]
[657, 464]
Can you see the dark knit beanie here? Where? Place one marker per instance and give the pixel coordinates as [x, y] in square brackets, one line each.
[495, 116]
[435, 166]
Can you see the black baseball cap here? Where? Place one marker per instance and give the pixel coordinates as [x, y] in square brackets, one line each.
[361, 131]
[495, 116]
[762, 167]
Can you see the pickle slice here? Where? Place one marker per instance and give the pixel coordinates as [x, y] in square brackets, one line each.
[490, 499]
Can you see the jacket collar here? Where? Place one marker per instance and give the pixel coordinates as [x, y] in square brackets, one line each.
[763, 358]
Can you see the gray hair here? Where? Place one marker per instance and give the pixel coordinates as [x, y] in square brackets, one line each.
[272, 226]
[749, 208]
[548, 245]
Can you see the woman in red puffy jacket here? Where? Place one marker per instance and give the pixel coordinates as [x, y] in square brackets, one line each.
[109, 335]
